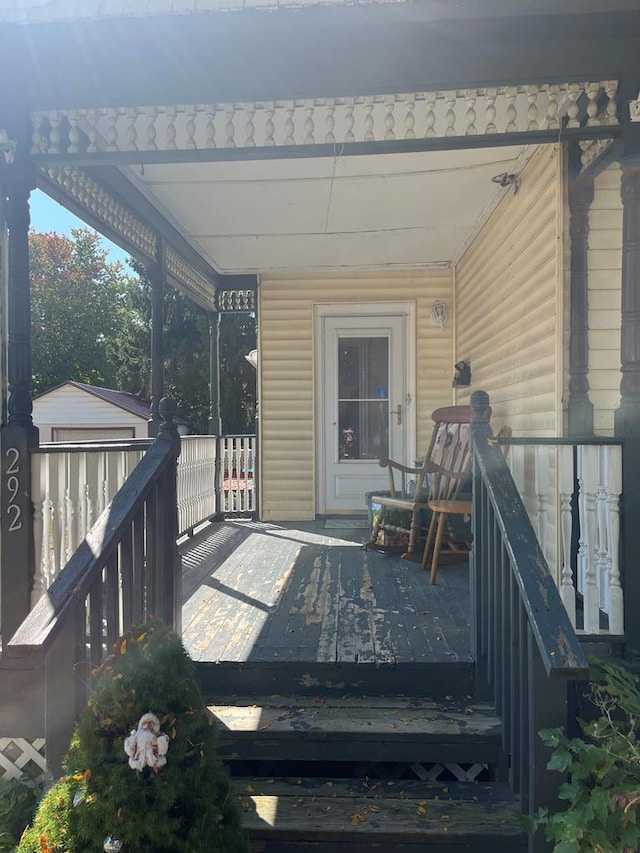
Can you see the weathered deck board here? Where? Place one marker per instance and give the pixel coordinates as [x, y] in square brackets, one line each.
[331, 810]
[298, 592]
[394, 717]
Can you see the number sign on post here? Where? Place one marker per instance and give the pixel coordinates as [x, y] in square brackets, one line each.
[16, 541]
[12, 485]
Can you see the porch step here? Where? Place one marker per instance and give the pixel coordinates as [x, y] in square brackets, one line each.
[354, 773]
[336, 679]
[332, 815]
[357, 729]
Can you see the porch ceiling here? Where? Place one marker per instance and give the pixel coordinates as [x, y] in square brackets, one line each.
[359, 212]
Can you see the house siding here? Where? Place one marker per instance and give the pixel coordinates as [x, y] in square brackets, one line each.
[509, 310]
[68, 406]
[604, 260]
[287, 378]
[508, 289]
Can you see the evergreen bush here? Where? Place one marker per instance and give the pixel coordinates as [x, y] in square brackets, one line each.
[185, 806]
[18, 801]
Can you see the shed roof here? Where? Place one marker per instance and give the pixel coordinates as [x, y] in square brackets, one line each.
[123, 400]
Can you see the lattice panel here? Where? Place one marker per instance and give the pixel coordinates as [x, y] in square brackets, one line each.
[448, 771]
[19, 757]
[334, 121]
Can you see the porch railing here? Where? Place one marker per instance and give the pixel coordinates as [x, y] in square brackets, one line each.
[124, 570]
[525, 648]
[571, 489]
[197, 495]
[73, 483]
[237, 469]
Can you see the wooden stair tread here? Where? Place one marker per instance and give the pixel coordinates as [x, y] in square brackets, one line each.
[415, 812]
[365, 717]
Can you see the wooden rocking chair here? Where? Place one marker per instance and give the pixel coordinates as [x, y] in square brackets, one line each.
[445, 501]
[403, 510]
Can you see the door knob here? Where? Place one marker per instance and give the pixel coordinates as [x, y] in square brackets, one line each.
[398, 414]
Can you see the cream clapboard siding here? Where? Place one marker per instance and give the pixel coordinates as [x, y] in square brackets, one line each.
[287, 392]
[67, 406]
[509, 313]
[604, 261]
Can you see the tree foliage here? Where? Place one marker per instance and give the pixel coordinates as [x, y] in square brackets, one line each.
[186, 357]
[77, 299]
[91, 322]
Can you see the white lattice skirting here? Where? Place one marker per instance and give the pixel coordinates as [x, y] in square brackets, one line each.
[19, 757]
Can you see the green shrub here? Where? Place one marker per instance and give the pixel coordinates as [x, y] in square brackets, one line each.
[18, 801]
[602, 788]
[185, 807]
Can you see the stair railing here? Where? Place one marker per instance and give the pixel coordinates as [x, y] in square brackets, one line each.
[525, 648]
[126, 569]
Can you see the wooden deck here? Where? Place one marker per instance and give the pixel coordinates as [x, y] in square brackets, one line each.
[308, 592]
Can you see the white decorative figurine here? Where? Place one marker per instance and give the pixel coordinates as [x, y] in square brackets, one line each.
[146, 747]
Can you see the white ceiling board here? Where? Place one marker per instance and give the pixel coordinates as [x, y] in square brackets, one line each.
[336, 251]
[361, 212]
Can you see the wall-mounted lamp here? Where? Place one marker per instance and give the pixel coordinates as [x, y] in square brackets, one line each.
[7, 147]
[252, 358]
[634, 109]
[439, 314]
[462, 376]
[507, 179]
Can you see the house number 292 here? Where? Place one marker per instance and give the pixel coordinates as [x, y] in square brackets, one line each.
[13, 487]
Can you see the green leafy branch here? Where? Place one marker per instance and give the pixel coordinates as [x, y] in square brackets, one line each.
[602, 788]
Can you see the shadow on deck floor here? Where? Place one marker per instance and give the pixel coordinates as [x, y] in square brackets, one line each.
[305, 592]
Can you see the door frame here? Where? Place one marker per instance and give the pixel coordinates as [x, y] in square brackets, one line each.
[405, 310]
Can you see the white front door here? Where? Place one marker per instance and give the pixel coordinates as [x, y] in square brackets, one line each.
[364, 404]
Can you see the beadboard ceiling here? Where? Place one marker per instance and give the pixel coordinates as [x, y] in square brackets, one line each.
[360, 212]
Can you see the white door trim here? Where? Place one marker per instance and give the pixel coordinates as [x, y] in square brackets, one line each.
[407, 311]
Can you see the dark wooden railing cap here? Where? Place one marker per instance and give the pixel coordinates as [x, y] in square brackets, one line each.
[479, 402]
[168, 431]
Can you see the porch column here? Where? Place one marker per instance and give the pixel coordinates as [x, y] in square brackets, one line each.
[157, 277]
[627, 420]
[579, 408]
[18, 436]
[215, 418]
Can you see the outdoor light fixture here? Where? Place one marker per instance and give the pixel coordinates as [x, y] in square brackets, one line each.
[7, 147]
[252, 358]
[634, 109]
[439, 315]
[462, 375]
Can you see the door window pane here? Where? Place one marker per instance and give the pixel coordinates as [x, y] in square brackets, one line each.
[363, 397]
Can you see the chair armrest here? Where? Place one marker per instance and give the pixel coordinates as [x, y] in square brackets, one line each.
[389, 463]
[452, 475]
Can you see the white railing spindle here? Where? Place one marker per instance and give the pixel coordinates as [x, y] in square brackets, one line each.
[587, 499]
[541, 486]
[565, 474]
[613, 487]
